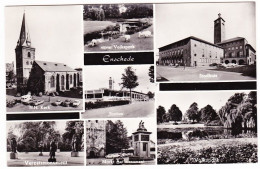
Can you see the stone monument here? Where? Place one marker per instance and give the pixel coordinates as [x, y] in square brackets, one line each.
[41, 148]
[53, 148]
[13, 154]
[75, 146]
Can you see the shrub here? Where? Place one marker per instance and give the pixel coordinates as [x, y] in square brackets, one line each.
[101, 104]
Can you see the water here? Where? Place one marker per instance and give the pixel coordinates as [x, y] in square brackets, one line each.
[198, 132]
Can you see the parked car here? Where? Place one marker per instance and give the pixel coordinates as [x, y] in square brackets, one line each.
[75, 103]
[28, 102]
[26, 98]
[57, 103]
[115, 155]
[66, 103]
[37, 102]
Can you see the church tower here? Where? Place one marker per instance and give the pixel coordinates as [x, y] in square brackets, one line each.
[219, 29]
[25, 56]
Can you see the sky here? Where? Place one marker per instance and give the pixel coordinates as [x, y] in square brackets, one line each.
[60, 126]
[97, 77]
[133, 124]
[56, 32]
[183, 100]
[178, 21]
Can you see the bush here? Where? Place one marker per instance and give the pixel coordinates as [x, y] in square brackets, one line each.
[101, 104]
[243, 153]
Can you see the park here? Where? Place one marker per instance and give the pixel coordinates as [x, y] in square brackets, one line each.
[207, 135]
[45, 143]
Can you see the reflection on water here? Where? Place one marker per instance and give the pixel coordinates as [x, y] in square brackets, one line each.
[205, 132]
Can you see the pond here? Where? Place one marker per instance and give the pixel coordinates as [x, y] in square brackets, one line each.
[198, 132]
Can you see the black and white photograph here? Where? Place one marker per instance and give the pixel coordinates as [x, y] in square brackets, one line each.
[207, 127]
[119, 91]
[120, 142]
[44, 58]
[205, 42]
[45, 143]
[118, 27]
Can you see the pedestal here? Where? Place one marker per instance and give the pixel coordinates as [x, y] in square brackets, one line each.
[40, 154]
[52, 160]
[74, 154]
[13, 155]
[58, 151]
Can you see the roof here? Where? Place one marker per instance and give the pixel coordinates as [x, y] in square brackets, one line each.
[231, 40]
[194, 38]
[250, 46]
[54, 67]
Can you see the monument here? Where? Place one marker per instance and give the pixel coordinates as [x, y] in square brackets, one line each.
[13, 154]
[40, 148]
[53, 148]
[141, 144]
[75, 146]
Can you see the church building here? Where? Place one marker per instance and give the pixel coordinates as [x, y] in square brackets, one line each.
[40, 76]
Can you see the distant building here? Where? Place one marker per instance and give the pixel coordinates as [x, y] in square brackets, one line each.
[40, 76]
[193, 51]
[96, 138]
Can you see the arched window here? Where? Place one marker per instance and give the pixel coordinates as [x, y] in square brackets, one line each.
[29, 55]
[27, 62]
[52, 81]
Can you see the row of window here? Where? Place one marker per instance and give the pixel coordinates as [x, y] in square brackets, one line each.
[234, 54]
[172, 52]
[205, 60]
[62, 80]
[233, 48]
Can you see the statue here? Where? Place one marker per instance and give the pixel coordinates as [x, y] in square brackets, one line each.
[13, 145]
[40, 148]
[13, 154]
[53, 148]
[140, 124]
[75, 146]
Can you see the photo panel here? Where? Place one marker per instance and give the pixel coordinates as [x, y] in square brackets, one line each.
[207, 127]
[45, 143]
[205, 42]
[120, 142]
[119, 91]
[44, 72]
[118, 27]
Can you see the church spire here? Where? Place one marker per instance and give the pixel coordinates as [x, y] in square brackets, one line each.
[24, 38]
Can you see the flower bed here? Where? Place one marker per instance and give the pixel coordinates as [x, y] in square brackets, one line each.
[243, 153]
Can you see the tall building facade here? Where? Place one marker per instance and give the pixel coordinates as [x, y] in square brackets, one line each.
[219, 29]
[96, 138]
[25, 56]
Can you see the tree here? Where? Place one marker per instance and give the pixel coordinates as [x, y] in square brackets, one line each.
[175, 113]
[73, 129]
[116, 137]
[208, 114]
[150, 95]
[160, 114]
[192, 112]
[151, 74]
[129, 80]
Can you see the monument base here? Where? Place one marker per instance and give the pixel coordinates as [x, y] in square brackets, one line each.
[13, 155]
[40, 154]
[74, 154]
[58, 151]
[52, 160]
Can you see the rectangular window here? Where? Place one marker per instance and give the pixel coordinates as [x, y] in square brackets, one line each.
[136, 137]
[144, 146]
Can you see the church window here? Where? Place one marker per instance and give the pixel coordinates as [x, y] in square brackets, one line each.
[52, 81]
[27, 62]
[240, 47]
[29, 55]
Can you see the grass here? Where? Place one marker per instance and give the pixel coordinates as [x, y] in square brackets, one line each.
[247, 70]
[91, 26]
[138, 43]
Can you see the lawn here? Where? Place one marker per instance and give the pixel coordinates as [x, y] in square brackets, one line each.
[91, 26]
[247, 70]
[137, 43]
